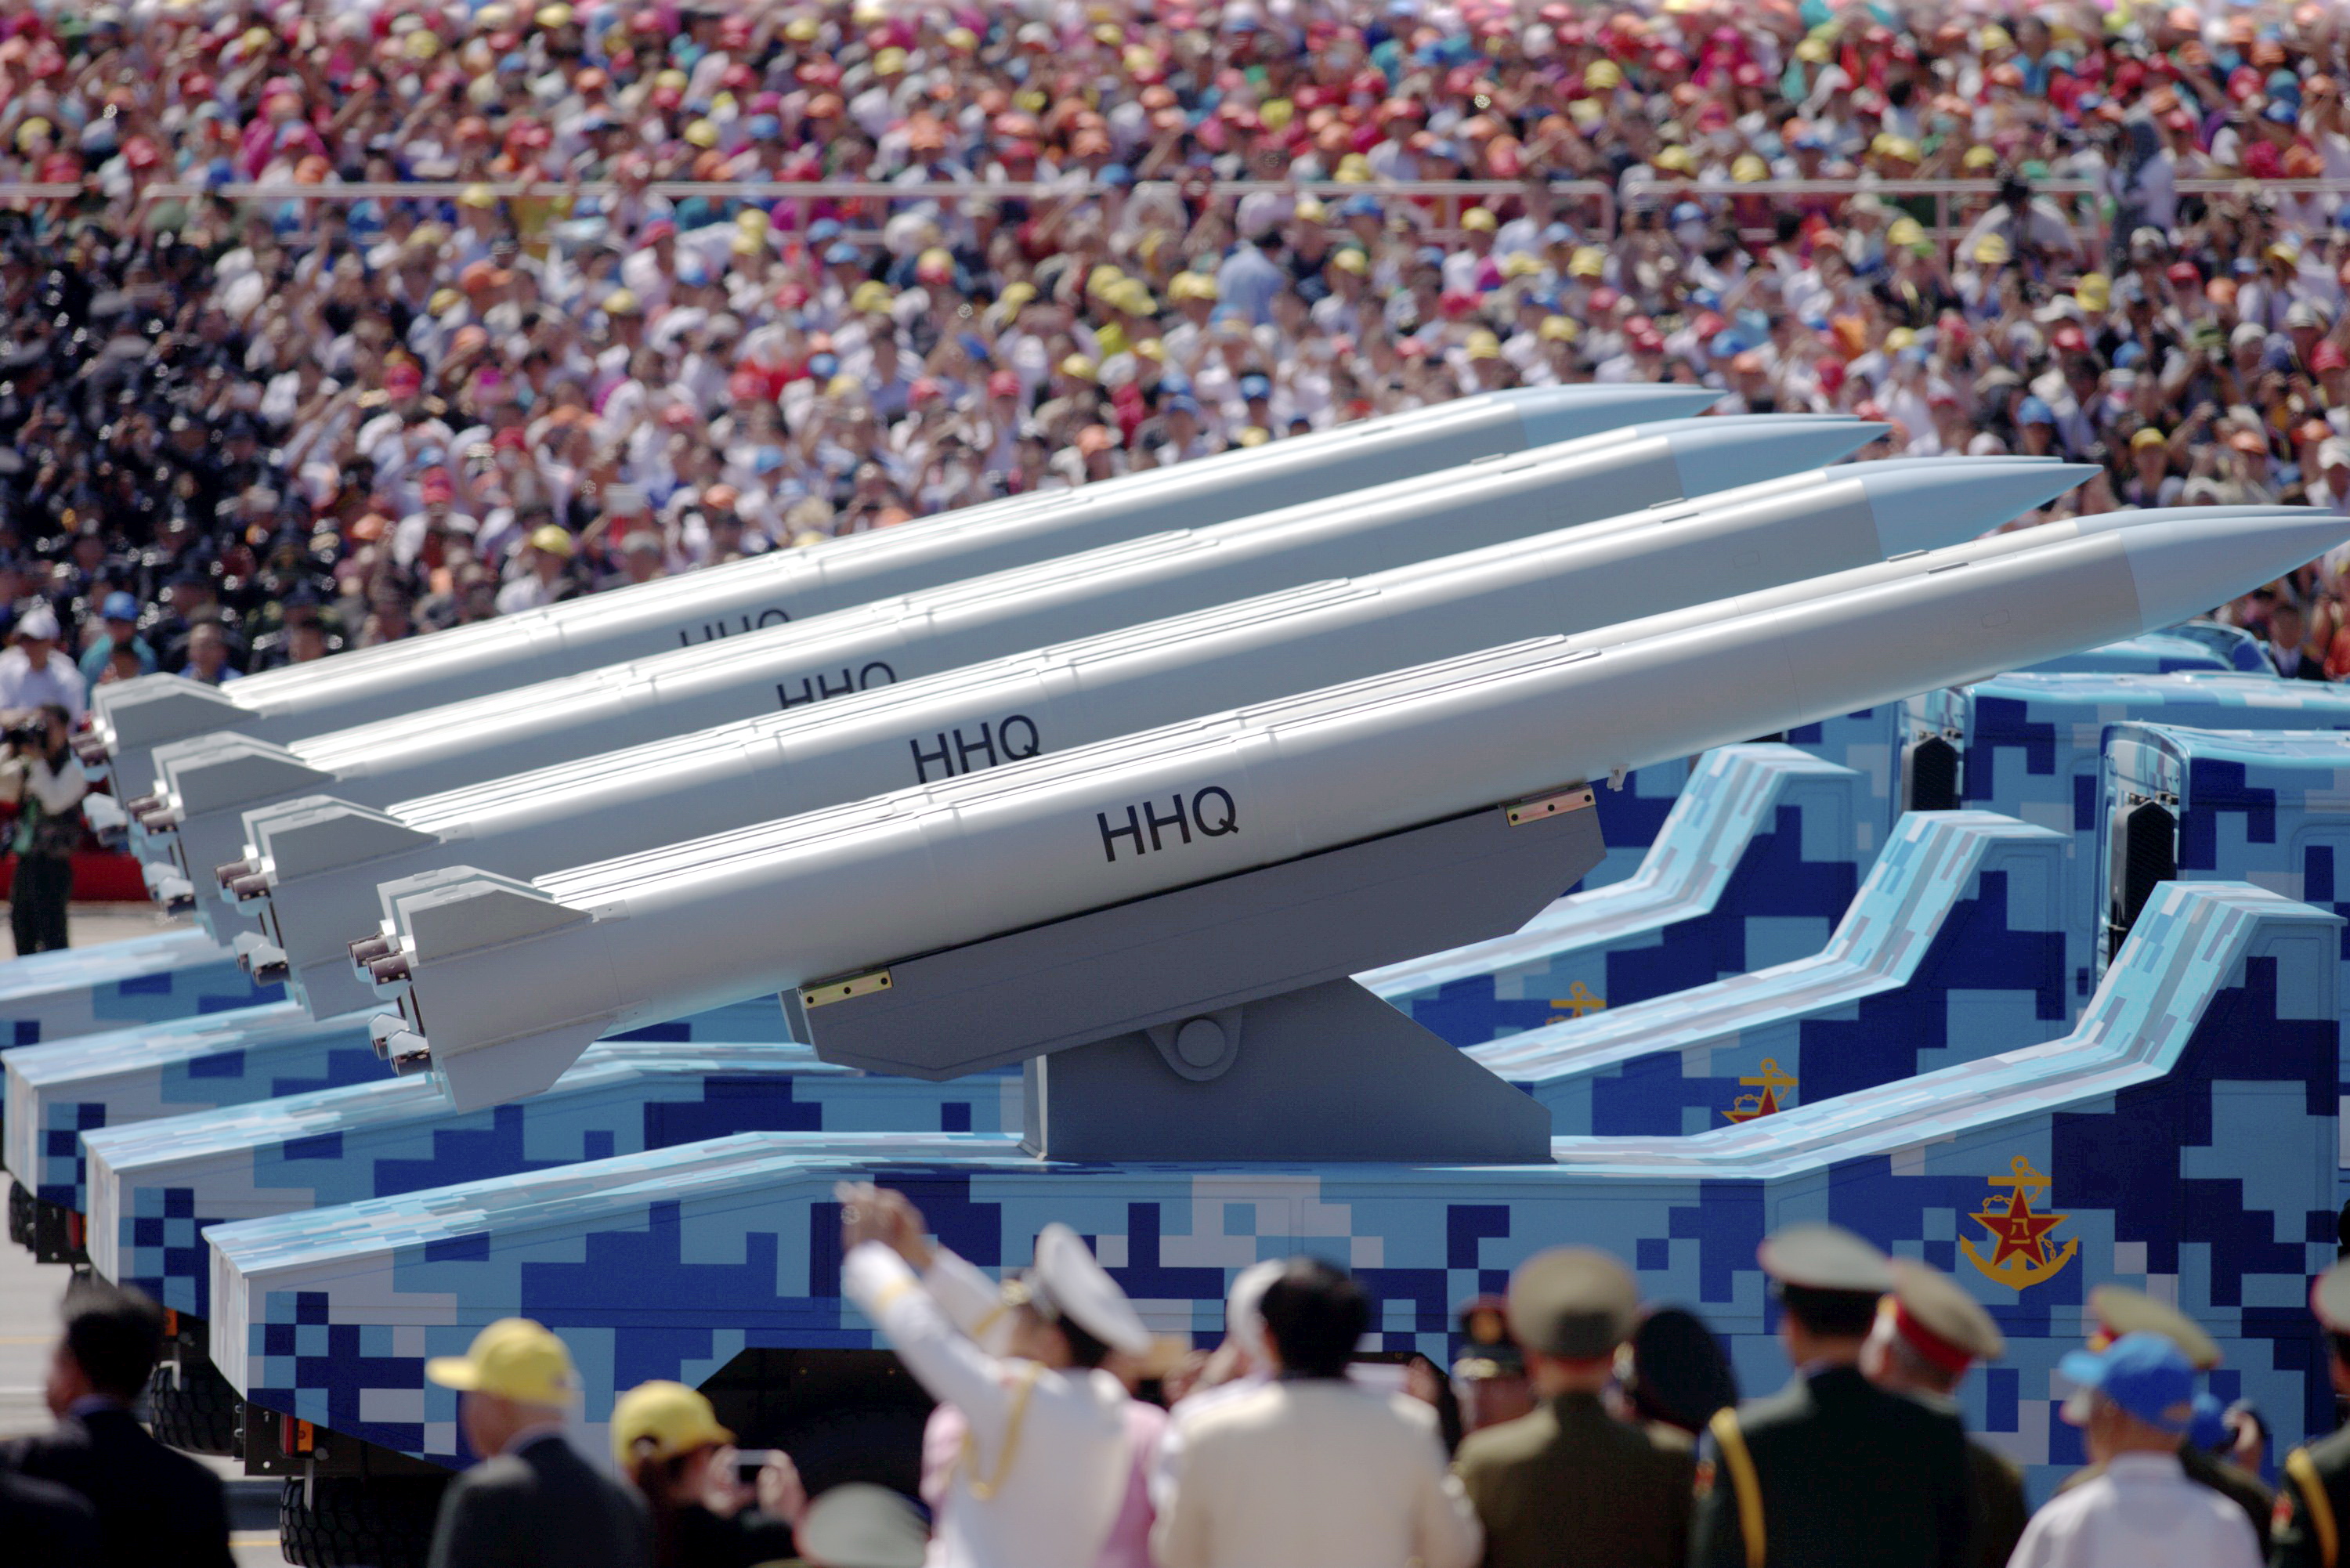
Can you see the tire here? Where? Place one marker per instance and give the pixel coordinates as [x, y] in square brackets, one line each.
[193, 1407]
[354, 1522]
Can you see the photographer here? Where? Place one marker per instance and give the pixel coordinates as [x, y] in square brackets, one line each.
[40, 776]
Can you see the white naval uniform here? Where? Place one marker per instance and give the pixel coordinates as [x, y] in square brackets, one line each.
[1046, 1470]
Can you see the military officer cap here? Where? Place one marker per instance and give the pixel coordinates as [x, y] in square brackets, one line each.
[1574, 1303]
[1816, 1257]
[1065, 1283]
[1930, 1315]
[858, 1525]
[2120, 1310]
[2329, 1298]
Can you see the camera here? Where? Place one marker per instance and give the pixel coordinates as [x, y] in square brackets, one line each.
[25, 735]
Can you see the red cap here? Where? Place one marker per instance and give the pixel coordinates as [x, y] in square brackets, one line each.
[1004, 384]
[2328, 356]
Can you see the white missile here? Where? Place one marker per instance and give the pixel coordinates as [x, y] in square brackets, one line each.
[501, 983]
[209, 783]
[312, 877]
[132, 719]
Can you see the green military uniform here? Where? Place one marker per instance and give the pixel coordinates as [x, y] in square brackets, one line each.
[2311, 1505]
[1995, 1501]
[2305, 1526]
[1833, 1471]
[1567, 1484]
[1570, 1486]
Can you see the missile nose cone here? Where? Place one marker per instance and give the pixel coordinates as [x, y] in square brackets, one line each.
[2184, 565]
[1927, 506]
[1553, 414]
[1714, 455]
[2139, 517]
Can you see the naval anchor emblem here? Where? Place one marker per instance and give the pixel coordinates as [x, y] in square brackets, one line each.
[1577, 1001]
[2022, 1257]
[1764, 1101]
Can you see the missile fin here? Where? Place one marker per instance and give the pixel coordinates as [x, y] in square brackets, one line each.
[480, 911]
[320, 833]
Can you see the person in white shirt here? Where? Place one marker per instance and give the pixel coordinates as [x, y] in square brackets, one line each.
[34, 674]
[2136, 1400]
[1310, 1469]
[1241, 1366]
[1044, 1464]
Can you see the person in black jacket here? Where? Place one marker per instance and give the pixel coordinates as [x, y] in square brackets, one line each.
[667, 1440]
[532, 1500]
[46, 1524]
[152, 1506]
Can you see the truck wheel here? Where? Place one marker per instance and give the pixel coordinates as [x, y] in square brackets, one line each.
[350, 1520]
[192, 1407]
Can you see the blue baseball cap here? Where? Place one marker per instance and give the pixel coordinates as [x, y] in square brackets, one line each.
[119, 606]
[1256, 387]
[2035, 411]
[1688, 212]
[2143, 1374]
[823, 229]
[1359, 207]
[841, 251]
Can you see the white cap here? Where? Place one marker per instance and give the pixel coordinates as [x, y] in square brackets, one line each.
[40, 621]
[1066, 1281]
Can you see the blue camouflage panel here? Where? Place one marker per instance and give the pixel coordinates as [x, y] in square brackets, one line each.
[2239, 647]
[1759, 859]
[2180, 1142]
[1953, 952]
[2032, 746]
[56, 1093]
[1631, 818]
[74, 991]
[2155, 653]
[154, 1186]
[2264, 807]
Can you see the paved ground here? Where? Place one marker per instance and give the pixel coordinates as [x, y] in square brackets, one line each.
[90, 924]
[29, 1293]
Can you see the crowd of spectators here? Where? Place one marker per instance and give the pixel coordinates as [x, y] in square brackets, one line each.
[243, 431]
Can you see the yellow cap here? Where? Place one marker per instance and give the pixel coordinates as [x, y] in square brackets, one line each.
[31, 131]
[1676, 159]
[1100, 281]
[1483, 345]
[702, 133]
[1749, 166]
[1813, 51]
[1254, 436]
[1152, 349]
[1521, 264]
[1992, 250]
[1979, 157]
[870, 297]
[1351, 260]
[1276, 113]
[1558, 330]
[1310, 210]
[2148, 437]
[1901, 146]
[1480, 220]
[1601, 75]
[1079, 366]
[621, 302]
[442, 299]
[802, 30]
[753, 219]
[889, 62]
[1905, 231]
[552, 16]
[1993, 36]
[2094, 291]
[745, 243]
[1585, 113]
[555, 540]
[1354, 169]
[1900, 338]
[672, 1419]
[476, 195]
[1016, 293]
[1588, 261]
[513, 1359]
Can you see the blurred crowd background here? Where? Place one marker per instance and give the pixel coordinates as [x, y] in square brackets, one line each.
[326, 323]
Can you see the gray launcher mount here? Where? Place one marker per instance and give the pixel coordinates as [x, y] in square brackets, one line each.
[1217, 1022]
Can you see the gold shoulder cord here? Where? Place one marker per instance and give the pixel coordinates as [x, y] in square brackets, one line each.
[1743, 1480]
[983, 1488]
[2313, 1498]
